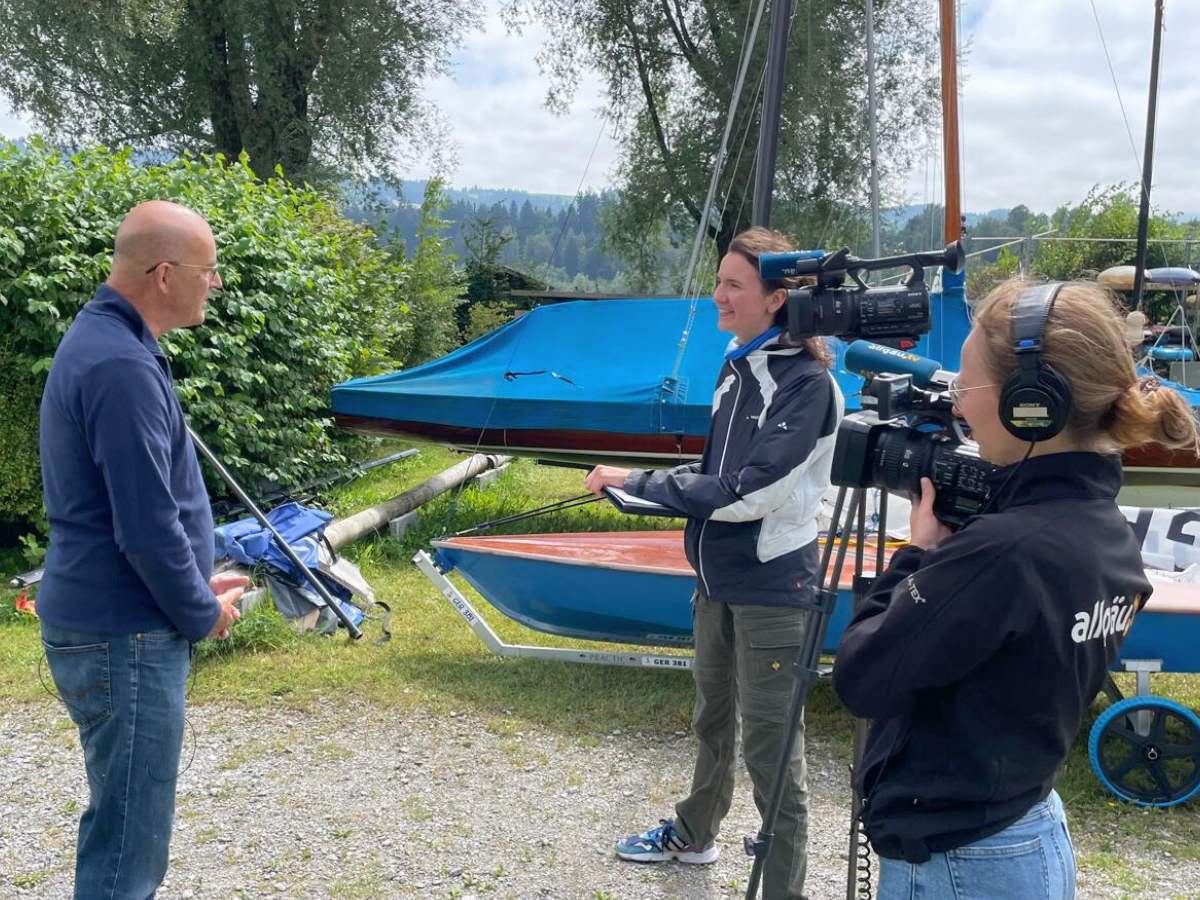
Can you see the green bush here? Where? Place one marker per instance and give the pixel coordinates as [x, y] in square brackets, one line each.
[487, 317]
[310, 299]
[20, 480]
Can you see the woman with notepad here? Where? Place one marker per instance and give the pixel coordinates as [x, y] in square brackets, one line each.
[751, 503]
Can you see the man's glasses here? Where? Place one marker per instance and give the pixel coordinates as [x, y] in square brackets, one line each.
[210, 271]
[956, 390]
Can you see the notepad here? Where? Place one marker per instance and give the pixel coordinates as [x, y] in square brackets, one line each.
[628, 503]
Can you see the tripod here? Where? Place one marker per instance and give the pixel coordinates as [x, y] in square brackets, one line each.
[858, 881]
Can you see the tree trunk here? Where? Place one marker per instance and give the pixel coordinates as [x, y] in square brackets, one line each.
[210, 20]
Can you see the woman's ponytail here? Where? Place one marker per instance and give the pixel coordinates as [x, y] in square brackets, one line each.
[1085, 342]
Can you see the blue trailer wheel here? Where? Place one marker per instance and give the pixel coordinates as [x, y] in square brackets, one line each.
[1146, 750]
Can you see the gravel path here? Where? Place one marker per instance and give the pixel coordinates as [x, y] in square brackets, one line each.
[358, 804]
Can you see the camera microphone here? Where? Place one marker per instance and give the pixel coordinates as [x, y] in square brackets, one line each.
[869, 358]
[813, 262]
[772, 266]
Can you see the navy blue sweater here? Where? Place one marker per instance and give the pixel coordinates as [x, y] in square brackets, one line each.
[131, 529]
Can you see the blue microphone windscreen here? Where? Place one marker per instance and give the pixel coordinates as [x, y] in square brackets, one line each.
[787, 265]
[865, 357]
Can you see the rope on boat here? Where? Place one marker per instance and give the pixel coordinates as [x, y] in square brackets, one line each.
[557, 506]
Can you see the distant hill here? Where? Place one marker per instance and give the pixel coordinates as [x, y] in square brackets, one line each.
[414, 191]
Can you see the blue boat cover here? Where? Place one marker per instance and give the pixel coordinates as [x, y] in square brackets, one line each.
[603, 365]
[590, 365]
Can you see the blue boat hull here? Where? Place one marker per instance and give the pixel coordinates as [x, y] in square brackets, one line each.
[595, 603]
[627, 606]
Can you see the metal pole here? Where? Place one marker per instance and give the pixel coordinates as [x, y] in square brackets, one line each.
[768, 135]
[283, 545]
[1139, 264]
[871, 129]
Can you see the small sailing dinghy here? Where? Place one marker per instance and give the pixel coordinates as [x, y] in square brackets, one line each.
[629, 587]
[635, 587]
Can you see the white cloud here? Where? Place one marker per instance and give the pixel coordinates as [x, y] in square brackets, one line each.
[1040, 118]
[493, 102]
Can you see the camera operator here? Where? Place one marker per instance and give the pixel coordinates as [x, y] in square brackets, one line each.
[752, 504]
[977, 652]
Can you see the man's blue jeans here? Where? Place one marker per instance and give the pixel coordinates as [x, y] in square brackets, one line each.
[1031, 859]
[126, 694]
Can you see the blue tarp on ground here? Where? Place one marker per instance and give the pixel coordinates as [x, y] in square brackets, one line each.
[248, 543]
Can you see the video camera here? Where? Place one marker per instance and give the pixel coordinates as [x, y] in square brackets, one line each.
[905, 433]
[832, 308]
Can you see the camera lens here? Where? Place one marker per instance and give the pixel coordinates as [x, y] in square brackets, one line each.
[902, 457]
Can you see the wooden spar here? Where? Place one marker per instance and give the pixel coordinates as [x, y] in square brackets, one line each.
[950, 122]
[348, 530]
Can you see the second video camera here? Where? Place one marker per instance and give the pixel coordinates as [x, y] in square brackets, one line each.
[904, 434]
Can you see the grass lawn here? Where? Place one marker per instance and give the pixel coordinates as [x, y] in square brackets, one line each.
[435, 663]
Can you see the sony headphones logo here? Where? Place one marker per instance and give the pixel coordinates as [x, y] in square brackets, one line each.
[1023, 413]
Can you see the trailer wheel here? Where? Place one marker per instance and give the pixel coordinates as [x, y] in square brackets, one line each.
[1146, 750]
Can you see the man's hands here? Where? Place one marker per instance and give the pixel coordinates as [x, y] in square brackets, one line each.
[603, 476]
[924, 529]
[229, 588]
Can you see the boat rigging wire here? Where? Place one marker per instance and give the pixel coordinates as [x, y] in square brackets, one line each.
[578, 190]
[557, 506]
[748, 43]
[1116, 87]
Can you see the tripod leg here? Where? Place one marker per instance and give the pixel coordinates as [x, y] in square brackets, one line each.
[806, 673]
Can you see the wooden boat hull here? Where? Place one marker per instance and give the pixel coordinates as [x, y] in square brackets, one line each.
[636, 588]
[623, 587]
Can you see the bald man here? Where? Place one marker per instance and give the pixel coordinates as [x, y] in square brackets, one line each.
[128, 586]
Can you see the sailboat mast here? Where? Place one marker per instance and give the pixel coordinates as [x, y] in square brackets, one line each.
[768, 135]
[871, 128]
[1139, 264]
[950, 121]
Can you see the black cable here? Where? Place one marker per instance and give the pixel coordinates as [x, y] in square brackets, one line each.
[862, 887]
[52, 692]
[1000, 490]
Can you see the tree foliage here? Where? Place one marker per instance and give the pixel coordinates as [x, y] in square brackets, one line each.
[670, 68]
[1106, 213]
[309, 300]
[300, 84]
[20, 480]
[433, 288]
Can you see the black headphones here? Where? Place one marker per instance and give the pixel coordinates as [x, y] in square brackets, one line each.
[1035, 401]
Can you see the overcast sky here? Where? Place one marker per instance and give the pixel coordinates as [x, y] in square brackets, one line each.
[1040, 119]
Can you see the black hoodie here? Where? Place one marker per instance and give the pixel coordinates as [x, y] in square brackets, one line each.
[977, 659]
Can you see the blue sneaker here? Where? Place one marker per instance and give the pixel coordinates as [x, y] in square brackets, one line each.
[663, 843]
